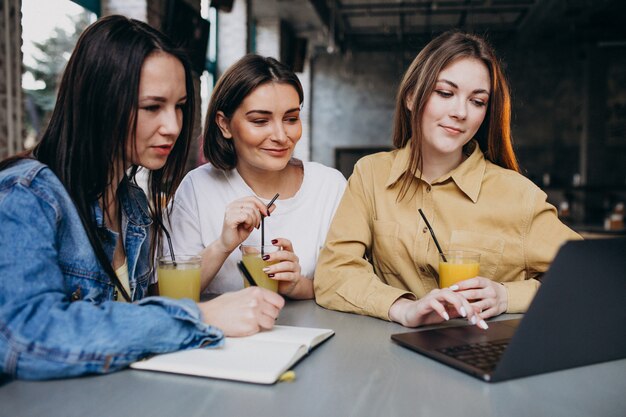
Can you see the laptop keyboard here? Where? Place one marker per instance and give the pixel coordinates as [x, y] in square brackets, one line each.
[481, 355]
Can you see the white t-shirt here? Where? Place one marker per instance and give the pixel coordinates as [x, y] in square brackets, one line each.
[304, 219]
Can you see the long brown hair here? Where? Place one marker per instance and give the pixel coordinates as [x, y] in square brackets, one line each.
[418, 84]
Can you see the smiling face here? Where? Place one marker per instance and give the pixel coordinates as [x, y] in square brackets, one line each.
[162, 94]
[265, 127]
[456, 108]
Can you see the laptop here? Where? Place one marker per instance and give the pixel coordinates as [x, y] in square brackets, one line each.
[577, 318]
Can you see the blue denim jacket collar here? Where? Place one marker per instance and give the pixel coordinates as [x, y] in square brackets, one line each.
[135, 226]
[132, 197]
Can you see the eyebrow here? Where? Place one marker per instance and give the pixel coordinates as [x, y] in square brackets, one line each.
[477, 91]
[269, 112]
[160, 99]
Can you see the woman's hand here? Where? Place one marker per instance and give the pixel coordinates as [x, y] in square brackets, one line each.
[287, 271]
[487, 297]
[244, 312]
[437, 306]
[240, 218]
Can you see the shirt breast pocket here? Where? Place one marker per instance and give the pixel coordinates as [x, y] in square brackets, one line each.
[385, 245]
[491, 249]
[86, 285]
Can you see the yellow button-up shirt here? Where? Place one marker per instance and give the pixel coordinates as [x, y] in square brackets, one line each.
[379, 249]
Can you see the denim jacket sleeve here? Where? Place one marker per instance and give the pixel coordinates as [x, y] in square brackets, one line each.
[44, 334]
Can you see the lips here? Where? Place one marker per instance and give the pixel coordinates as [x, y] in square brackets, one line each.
[163, 149]
[276, 152]
[452, 130]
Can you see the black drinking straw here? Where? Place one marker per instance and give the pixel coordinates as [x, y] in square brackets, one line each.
[433, 235]
[263, 223]
[246, 274]
[169, 243]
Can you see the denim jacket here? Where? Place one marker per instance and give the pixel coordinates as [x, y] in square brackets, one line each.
[58, 317]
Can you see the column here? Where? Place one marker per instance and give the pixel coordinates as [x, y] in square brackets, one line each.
[11, 100]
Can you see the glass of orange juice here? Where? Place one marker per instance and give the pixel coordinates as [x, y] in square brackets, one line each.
[179, 278]
[253, 260]
[457, 266]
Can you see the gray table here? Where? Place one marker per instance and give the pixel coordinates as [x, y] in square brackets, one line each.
[358, 372]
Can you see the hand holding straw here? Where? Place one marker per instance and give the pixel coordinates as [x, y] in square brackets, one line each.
[263, 223]
[432, 233]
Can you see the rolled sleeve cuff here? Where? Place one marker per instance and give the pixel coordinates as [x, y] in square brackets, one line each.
[379, 301]
[520, 295]
[186, 310]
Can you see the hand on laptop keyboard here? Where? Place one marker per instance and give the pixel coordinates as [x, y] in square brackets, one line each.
[437, 306]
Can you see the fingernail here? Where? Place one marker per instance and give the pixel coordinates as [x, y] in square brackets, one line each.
[270, 275]
[473, 320]
[463, 312]
[266, 257]
[266, 269]
[454, 288]
[274, 241]
[483, 325]
[446, 316]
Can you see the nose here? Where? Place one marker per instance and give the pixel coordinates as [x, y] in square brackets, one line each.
[278, 133]
[458, 109]
[171, 122]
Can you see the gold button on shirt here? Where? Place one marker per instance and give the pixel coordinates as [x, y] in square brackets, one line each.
[379, 249]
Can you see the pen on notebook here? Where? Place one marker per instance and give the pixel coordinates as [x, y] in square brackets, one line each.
[246, 274]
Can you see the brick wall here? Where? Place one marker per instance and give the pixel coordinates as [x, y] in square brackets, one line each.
[352, 101]
[268, 37]
[232, 35]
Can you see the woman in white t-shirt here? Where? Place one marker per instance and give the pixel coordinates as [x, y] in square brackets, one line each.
[252, 127]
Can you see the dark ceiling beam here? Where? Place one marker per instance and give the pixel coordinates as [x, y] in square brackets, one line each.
[463, 16]
[440, 10]
[325, 14]
[410, 41]
[433, 5]
[382, 13]
[322, 10]
[364, 32]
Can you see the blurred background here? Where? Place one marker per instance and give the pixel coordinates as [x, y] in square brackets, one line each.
[565, 60]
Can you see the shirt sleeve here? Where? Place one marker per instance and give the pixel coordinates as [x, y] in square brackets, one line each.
[44, 335]
[545, 234]
[185, 228]
[344, 279]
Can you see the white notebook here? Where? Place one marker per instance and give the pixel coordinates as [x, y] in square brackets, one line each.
[261, 358]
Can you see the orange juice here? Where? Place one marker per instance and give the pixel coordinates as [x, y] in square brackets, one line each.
[179, 280]
[459, 266]
[450, 274]
[255, 265]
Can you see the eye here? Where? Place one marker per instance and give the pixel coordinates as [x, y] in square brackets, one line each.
[259, 122]
[181, 105]
[292, 119]
[478, 102]
[150, 108]
[443, 93]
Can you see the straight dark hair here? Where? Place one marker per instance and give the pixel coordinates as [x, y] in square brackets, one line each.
[237, 82]
[96, 114]
[418, 84]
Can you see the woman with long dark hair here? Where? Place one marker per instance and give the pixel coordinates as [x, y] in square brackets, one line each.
[455, 162]
[78, 235]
